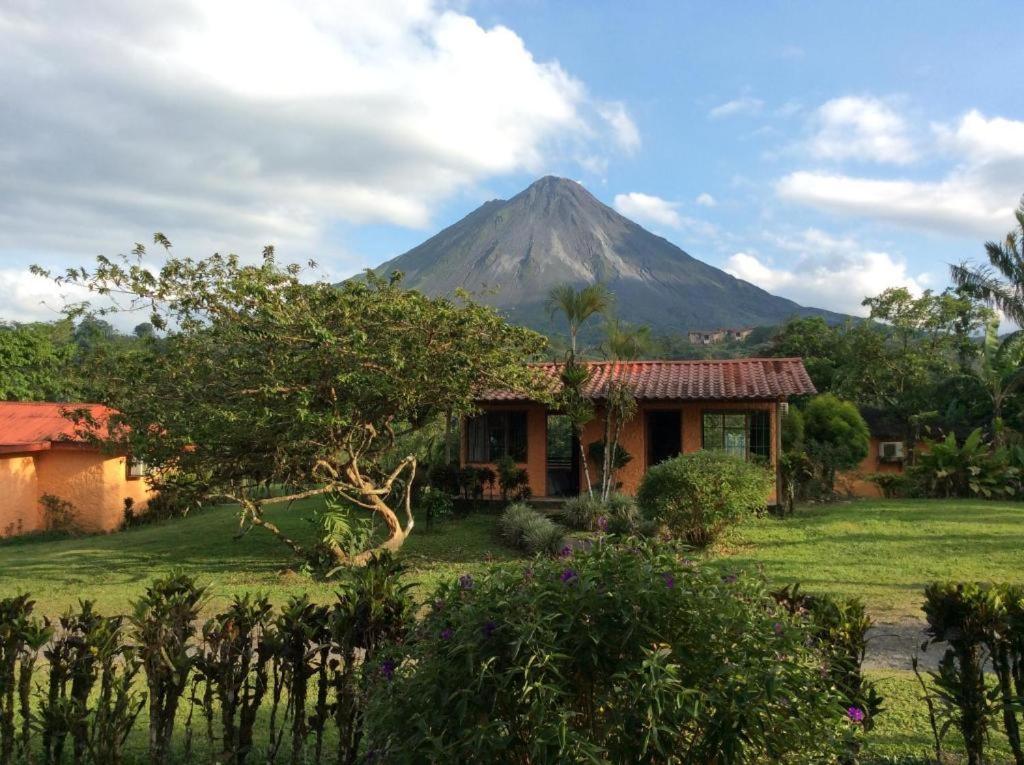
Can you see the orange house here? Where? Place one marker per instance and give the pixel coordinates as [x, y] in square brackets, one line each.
[682, 406]
[43, 453]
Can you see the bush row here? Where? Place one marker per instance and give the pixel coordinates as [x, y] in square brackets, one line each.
[309, 666]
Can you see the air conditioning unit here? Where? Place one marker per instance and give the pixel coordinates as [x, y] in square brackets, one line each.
[890, 451]
[784, 408]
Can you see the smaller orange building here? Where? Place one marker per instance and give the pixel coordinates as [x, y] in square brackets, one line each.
[682, 406]
[42, 453]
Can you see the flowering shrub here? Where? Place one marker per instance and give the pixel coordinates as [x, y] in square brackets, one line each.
[614, 654]
[696, 496]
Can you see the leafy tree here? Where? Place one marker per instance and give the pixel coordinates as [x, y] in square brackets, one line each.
[36, 362]
[265, 381]
[1006, 260]
[578, 305]
[837, 436]
[813, 340]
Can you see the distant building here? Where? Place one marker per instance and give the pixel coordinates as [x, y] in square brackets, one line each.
[43, 454]
[718, 336]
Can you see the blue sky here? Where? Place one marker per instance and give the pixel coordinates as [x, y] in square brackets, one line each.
[821, 150]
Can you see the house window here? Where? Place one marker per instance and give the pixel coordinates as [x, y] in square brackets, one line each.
[493, 435]
[743, 434]
[137, 468]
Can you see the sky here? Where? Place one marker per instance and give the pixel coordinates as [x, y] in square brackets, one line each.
[821, 150]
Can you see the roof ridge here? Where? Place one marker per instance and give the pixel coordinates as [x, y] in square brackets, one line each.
[50, 403]
[744, 360]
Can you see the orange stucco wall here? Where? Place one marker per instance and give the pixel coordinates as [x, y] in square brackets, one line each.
[19, 495]
[854, 482]
[95, 484]
[632, 438]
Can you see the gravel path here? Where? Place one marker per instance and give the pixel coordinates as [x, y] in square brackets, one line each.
[892, 644]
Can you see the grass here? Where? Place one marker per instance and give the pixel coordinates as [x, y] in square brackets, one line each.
[113, 569]
[883, 551]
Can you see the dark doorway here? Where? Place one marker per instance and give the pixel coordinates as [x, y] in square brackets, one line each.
[563, 458]
[664, 436]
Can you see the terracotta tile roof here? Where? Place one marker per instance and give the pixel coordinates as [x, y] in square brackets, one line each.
[36, 425]
[742, 379]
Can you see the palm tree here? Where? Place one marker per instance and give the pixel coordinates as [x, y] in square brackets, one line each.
[578, 305]
[1000, 372]
[624, 342]
[1006, 258]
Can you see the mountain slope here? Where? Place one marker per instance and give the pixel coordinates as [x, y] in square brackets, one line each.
[510, 253]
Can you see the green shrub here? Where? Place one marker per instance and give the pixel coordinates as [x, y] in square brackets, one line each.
[892, 485]
[582, 512]
[513, 480]
[435, 505]
[836, 435]
[616, 654]
[696, 496]
[523, 527]
[623, 514]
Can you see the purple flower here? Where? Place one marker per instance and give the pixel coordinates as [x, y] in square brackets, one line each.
[777, 628]
[566, 551]
[489, 627]
[527, 574]
[568, 576]
[602, 523]
[466, 582]
[387, 669]
[446, 633]
[855, 714]
[670, 581]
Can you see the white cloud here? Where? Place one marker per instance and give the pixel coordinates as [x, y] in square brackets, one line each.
[974, 197]
[862, 128]
[706, 200]
[647, 208]
[34, 298]
[234, 124]
[624, 130]
[737, 106]
[817, 269]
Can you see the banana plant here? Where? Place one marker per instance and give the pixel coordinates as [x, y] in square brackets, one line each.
[1000, 372]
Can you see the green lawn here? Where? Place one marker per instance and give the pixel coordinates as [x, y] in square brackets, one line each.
[883, 551]
[113, 569]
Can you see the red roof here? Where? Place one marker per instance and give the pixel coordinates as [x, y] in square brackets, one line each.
[743, 379]
[35, 425]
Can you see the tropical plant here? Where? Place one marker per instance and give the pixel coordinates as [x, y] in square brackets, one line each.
[1001, 283]
[1000, 373]
[22, 636]
[615, 654]
[578, 305]
[308, 385]
[624, 342]
[974, 468]
[577, 406]
[696, 496]
[163, 627]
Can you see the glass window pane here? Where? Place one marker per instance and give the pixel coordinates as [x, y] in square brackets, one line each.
[713, 438]
[735, 421]
[761, 434]
[736, 442]
[479, 450]
[517, 436]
